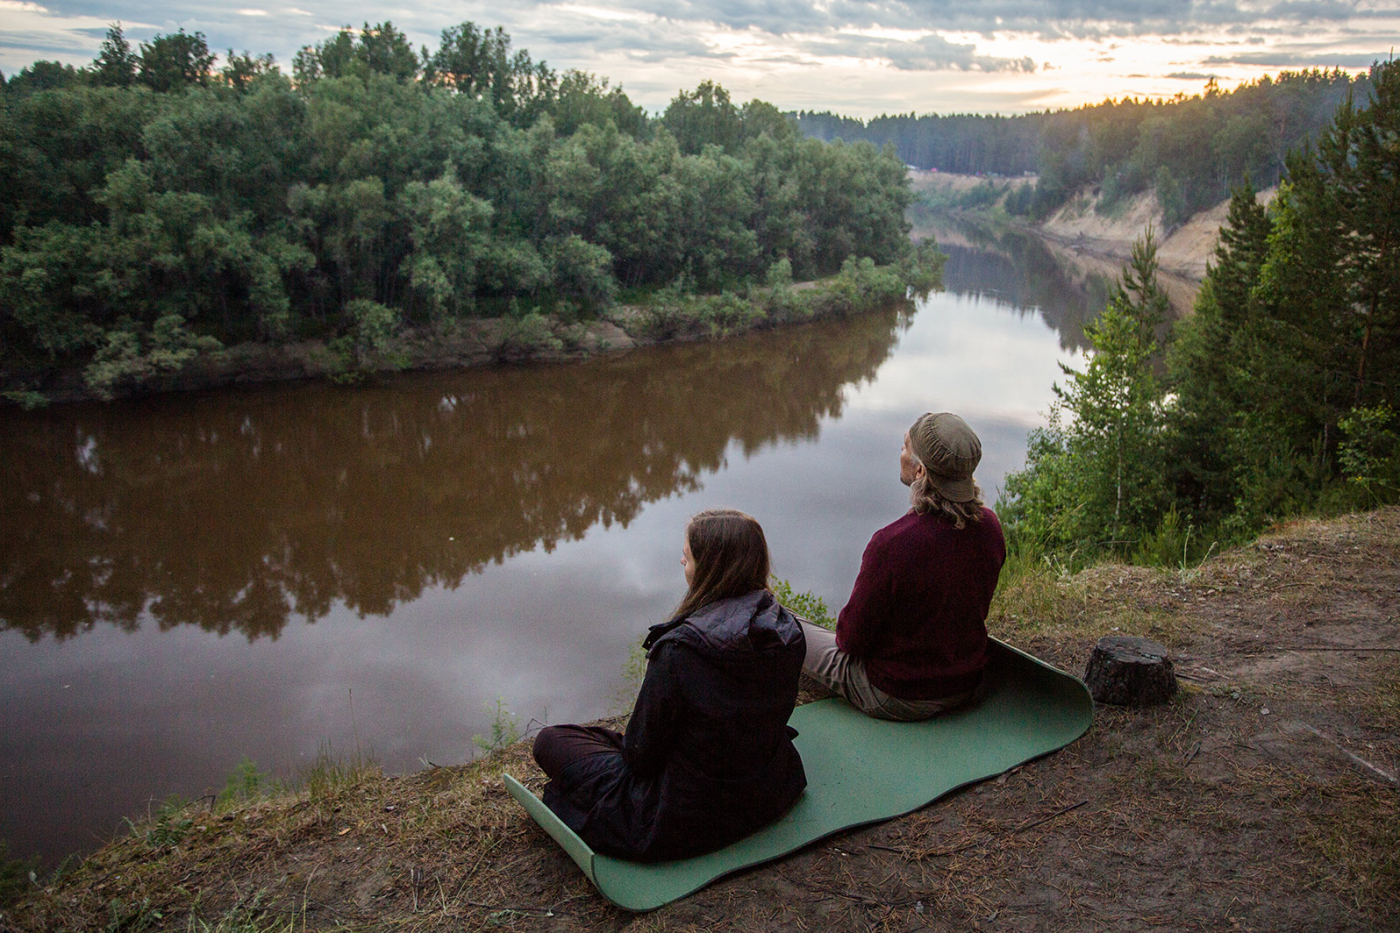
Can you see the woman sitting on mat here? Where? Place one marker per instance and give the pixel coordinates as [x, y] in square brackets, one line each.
[708, 757]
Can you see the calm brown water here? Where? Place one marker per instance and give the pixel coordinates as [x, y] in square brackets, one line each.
[189, 581]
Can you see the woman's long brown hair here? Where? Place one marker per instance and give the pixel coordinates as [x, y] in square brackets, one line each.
[731, 558]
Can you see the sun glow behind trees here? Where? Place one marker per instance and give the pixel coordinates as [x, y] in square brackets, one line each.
[863, 59]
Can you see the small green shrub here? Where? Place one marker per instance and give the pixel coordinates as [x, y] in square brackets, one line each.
[365, 343]
[1370, 452]
[134, 355]
[168, 827]
[245, 782]
[806, 604]
[526, 334]
[505, 728]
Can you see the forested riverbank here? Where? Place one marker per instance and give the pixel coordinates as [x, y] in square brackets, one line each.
[1275, 398]
[156, 211]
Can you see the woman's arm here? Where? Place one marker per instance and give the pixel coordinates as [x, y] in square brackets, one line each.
[651, 732]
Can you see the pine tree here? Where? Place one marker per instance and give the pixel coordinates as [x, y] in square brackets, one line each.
[1093, 477]
[1361, 155]
[1205, 351]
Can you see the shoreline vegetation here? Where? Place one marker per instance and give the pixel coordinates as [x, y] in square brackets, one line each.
[1277, 754]
[666, 316]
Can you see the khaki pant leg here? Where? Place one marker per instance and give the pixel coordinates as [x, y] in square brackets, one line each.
[845, 676]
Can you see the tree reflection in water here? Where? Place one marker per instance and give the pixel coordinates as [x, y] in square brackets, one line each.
[236, 511]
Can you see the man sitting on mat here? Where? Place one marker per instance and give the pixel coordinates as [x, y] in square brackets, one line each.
[912, 641]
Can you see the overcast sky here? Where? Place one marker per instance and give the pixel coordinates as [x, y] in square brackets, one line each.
[858, 57]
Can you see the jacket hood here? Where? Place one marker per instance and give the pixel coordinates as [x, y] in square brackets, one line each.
[750, 624]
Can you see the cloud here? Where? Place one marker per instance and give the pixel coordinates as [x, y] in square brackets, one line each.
[1191, 76]
[31, 31]
[1316, 58]
[1312, 10]
[934, 53]
[1046, 19]
[645, 42]
[922, 53]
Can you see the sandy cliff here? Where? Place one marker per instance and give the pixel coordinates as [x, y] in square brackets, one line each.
[1081, 228]
[1185, 252]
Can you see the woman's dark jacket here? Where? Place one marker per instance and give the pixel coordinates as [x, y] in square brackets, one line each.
[708, 756]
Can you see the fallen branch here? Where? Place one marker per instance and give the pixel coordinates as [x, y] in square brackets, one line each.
[543, 911]
[962, 848]
[824, 889]
[1380, 772]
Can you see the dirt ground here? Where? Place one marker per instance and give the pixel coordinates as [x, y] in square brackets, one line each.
[1262, 798]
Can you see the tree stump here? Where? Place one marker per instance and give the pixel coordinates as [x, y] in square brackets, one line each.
[1128, 671]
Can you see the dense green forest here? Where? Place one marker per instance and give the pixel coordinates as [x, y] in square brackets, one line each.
[1191, 151]
[153, 207]
[1277, 397]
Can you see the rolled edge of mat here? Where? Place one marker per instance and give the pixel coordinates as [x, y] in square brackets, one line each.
[568, 840]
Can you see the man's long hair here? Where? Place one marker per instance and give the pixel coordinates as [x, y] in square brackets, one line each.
[731, 558]
[925, 498]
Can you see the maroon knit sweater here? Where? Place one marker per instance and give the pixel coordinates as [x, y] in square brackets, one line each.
[917, 614]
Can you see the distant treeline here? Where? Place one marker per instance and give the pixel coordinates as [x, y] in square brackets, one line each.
[1277, 397]
[1191, 150]
[151, 204]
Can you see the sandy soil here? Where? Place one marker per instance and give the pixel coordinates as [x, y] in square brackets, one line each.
[1262, 798]
[1185, 252]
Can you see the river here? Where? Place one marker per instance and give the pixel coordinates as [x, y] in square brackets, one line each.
[189, 581]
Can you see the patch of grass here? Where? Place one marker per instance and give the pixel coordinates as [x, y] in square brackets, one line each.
[1036, 592]
[634, 668]
[248, 916]
[330, 775]
[125, 917]
[1177, 545]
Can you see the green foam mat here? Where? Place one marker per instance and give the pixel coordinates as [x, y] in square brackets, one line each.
[862, 770]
